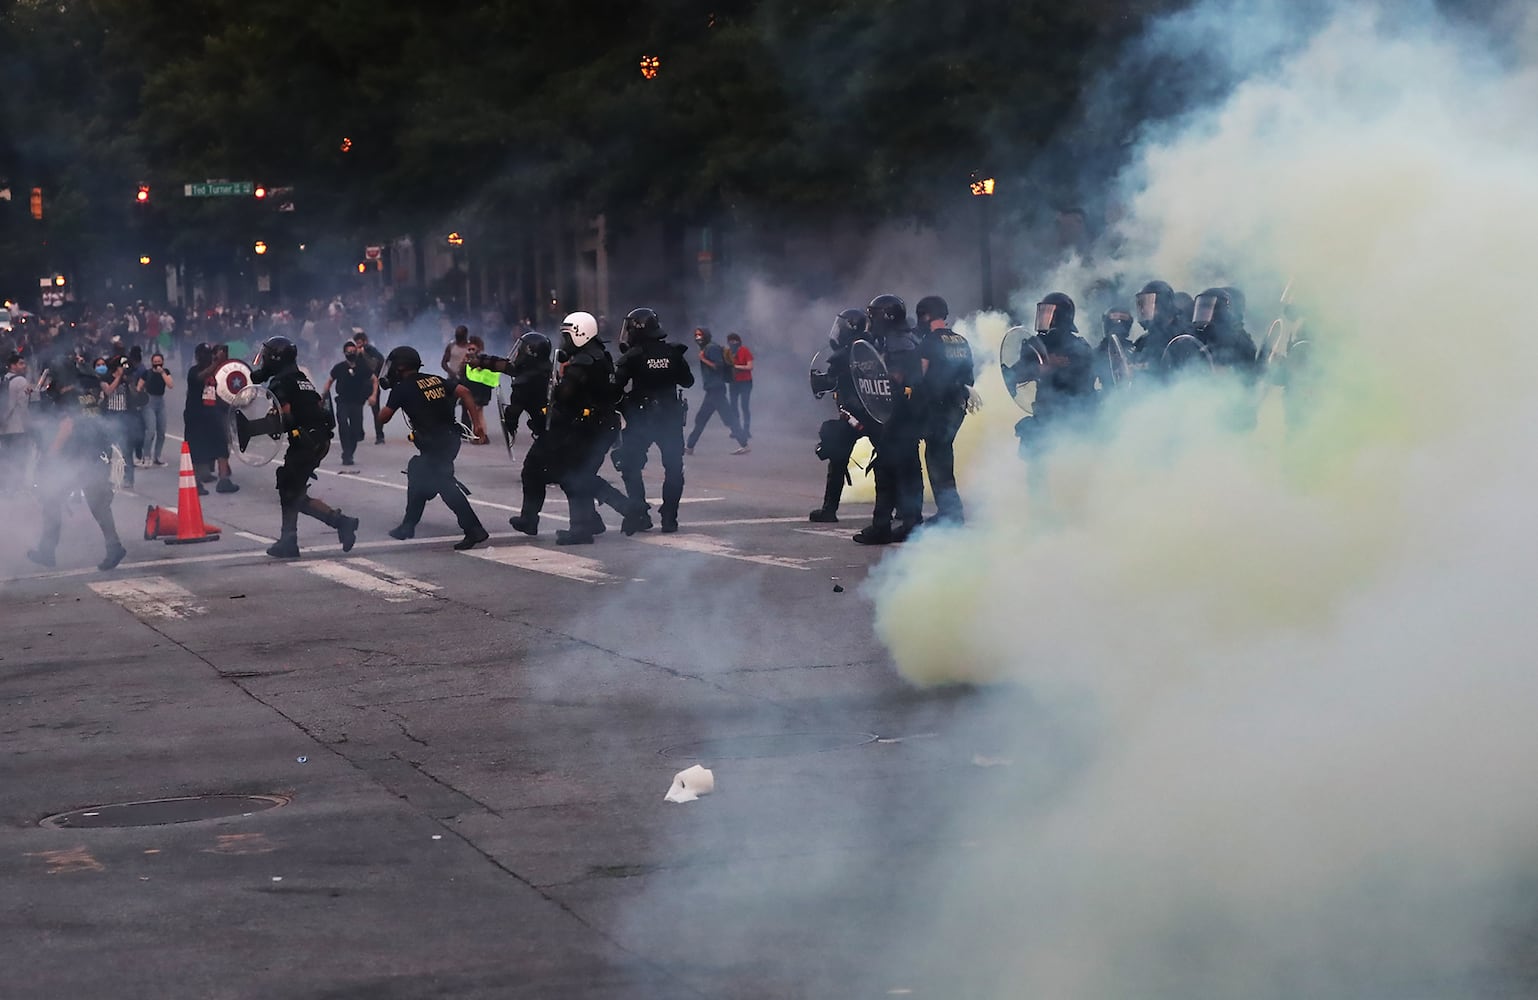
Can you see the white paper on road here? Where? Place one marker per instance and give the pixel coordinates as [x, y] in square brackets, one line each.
[690, 783]
[372, 578]
[552, 562]
[150, 597]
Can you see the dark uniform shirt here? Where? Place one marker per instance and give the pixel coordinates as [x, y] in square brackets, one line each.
[901, 353]
[354, 380]
[654, 371]
[1068, 381]
[306, 412]
[950, 367]
[428, 401]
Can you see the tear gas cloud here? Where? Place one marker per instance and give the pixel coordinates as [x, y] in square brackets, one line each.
[1302, 655]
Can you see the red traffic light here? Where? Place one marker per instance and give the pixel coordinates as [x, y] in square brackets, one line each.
[260, 192]
[143, 195]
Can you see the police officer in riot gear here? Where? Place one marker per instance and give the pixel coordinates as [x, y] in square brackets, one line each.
[73, 456]
[581, 424]
[1065, 377]
[945, 359]
[652, 373]
[428, 401]
[1159, 315]
[836, 438]
[899, 475]
[307, 426]
[1217, 320]
[1114, 352]
[529, 393]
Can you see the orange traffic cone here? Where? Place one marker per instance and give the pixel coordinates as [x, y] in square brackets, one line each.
[159, 522]
[189, 512]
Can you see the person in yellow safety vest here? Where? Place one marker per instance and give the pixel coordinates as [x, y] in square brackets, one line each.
[482, 382]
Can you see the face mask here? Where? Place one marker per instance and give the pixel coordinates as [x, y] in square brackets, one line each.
[351, 355]
[101, 369]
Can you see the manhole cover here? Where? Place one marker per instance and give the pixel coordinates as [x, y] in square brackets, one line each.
[160, 812]
[777, 745]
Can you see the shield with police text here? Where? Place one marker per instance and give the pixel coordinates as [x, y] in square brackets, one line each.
[1022, 360]
[1186, 352]
[872, 382]
[256, 425]
[231, 380]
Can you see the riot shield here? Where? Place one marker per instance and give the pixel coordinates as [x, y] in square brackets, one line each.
[1022, 359]
[823, 381]
[1185, 350]
[117, 467]
[256, 426]
[1117, 362]
[231, 380]
[872, 382]
[502, 415]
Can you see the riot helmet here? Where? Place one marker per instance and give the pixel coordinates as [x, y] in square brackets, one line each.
[640, 325]
[402, 361]
[848, 327]
[1116, 322]
[532, 350]
[578, 328]
[1156, 301]
[930, 307]
[888, 314]
[1212, 308]
[203, 354]
[1054, 314]
[277, 354]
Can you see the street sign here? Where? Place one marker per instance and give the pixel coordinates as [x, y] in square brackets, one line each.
[372, 253]
[219, 189]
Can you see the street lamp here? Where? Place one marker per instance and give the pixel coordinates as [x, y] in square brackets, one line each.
[982, 190]
[649, 66]
[456, 240]
[260, 247]
[144, 259]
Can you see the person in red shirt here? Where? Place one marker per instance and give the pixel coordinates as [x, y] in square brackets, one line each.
[739, 391]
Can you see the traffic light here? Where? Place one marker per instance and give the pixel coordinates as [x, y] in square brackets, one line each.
[260, 192]
[144, 194]
[37, 203]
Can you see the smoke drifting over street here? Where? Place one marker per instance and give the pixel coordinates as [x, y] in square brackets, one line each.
[1301, 657]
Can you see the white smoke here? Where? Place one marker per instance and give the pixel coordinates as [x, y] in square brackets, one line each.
[1302, 659]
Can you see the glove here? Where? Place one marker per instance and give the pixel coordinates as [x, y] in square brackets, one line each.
[974, 400]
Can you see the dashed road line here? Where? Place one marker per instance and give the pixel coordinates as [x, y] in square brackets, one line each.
[370, 577]
[150, 597]
[705, 545]
[552, 562]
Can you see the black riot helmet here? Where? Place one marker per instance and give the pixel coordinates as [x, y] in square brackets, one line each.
[531, 351]
[888, 314]
[930, 307]
[1054, 314]
[278, 353]
[1155, 302]
[641, 324]
[203, 354]
[1116, 322]
[848, 327]
[401, 362]
[1214, 310]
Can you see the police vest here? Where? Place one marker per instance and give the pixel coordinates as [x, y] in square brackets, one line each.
[485, 376]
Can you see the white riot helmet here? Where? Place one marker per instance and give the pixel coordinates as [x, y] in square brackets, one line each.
[579, 328]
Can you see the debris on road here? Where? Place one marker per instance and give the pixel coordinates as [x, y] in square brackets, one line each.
[690, 783]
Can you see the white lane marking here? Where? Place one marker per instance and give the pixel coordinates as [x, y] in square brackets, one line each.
[150, 597]
[371, 578]
[550, 561]
[478, 503]
[828, 532]
[255, 538]
[657, 501]
[707, 546]
[747, 520]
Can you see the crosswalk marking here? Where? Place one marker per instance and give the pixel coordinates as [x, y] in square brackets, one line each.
[372, 578]
[549, 561]
[150, 597]
[707, 546]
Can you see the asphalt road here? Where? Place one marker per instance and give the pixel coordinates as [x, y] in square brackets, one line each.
[474, 748]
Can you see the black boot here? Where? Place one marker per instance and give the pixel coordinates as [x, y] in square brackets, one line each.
[637, 522]
[115, 554]
[474, 536]
[823, 515]
[346, 531]
[526, 523]
[286, 547]
[403, 531]
[573, 537]
[876, 534]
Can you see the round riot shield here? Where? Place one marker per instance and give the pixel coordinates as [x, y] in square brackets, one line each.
[1185, 350]
[872, 382]
[1022, 357]
[231, 379]
[256, 425]
[822, 380]
[1117, 362]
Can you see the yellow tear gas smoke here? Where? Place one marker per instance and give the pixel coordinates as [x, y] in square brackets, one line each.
[1305, 655]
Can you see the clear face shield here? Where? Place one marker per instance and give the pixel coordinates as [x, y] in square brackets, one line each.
[1147, 307]
[1206, 308]
[1046, 312]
